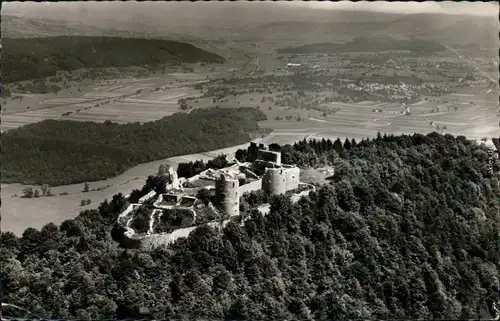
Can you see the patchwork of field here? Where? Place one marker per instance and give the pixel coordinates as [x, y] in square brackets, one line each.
[473, 121]
[121, 101]
[468, 112]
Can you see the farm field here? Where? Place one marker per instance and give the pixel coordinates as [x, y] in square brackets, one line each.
[119, 100]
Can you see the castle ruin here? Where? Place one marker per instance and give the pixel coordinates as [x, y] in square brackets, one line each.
[266, 173]
[227, 194]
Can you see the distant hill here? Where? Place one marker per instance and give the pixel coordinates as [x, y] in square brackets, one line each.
[363, 44]
[223, 20]
[23, 27]
[32, 58]
[65, 152]
[450, 29]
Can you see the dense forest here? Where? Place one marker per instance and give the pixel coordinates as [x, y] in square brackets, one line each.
[58, 152]
[364, 44]
[407, 229]
[34, 58]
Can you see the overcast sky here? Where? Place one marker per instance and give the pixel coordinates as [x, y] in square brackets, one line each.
[446, 7]
[33, 9]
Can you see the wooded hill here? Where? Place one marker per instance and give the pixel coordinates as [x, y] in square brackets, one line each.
[33, 58]
[56, 152]
[407, 230]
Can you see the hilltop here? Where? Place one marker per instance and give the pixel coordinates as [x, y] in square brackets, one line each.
[65, 152]
[23, 27]
[407, 229]
[34, 58]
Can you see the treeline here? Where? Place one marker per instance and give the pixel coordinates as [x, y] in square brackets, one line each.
[33, 58]
[65, 152]
[409, 231]
[364, 44]
[302, 153]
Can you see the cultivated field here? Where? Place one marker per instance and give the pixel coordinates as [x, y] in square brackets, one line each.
[119, 100]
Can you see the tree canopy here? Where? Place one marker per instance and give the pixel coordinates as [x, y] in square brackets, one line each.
[408, 230]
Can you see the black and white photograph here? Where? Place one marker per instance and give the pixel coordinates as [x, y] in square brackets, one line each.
[250, 160]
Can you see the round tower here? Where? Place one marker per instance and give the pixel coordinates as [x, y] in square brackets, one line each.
[227, 195]
[274, 181]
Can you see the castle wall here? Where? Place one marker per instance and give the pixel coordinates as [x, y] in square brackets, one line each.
[292, 178]
[269, 156]
[274, 181]
[147, 197]
[194, 178]
[227, 195]
[250, 187]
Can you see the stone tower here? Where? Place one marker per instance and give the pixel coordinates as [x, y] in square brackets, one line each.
[274, 181]
[227, 195]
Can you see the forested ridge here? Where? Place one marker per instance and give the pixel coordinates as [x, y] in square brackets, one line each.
[41, 57]
[59, 152]
[408, 228]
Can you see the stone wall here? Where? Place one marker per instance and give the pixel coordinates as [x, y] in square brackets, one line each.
[269, 156]
[292, 178]
[250, 187]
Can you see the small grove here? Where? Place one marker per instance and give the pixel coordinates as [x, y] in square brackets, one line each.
[408, 229]
[58, 152]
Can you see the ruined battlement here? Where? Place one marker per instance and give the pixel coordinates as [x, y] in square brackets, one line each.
[266, 173]
[269, 156]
